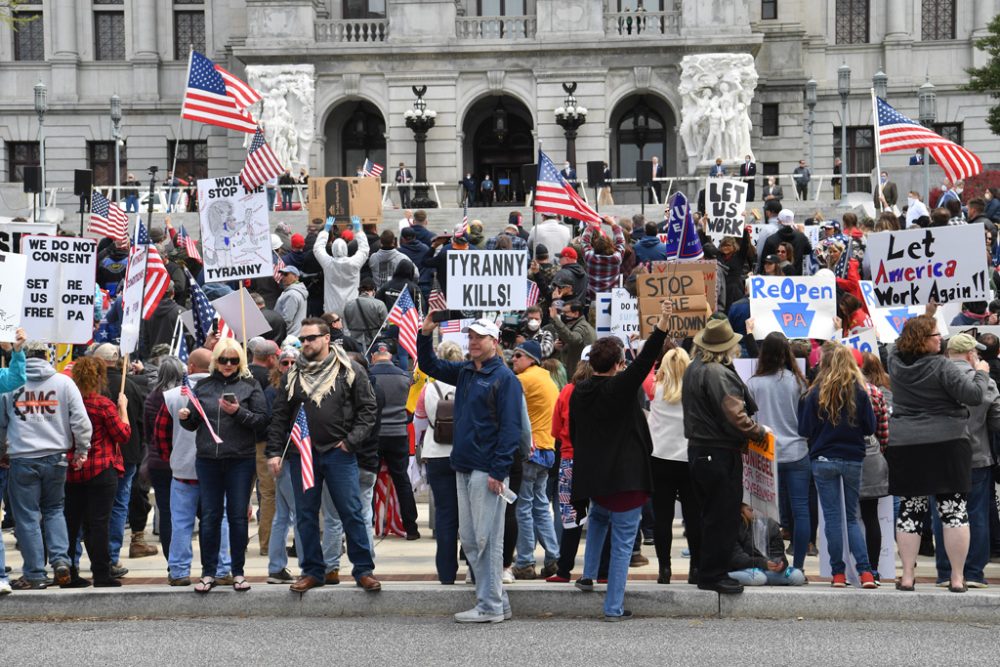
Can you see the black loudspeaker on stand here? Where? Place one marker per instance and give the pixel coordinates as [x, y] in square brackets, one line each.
[643, 178]
[33, 179]
[595, 174]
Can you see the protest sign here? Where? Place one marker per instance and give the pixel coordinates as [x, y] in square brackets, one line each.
[886, 565]
[725, 203]
[797, 306]
[12, 268]
[235, 233]
[58, 305]
[760, 478]
[452, 330]
[624, 315]
[690, 285]
[228, 308]
[135, 279]
[745, 368]
[975, 330]
[11, 233]
[488, 280]
[914, 267]
[862, 341]
[603, 321]
[344, 198]
[889, 321]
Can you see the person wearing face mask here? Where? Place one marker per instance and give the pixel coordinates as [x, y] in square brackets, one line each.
[569, 173]
[574, 333]
[340, 271]
[916, 213]
[886, 194]
[531, 329]
[469, 186]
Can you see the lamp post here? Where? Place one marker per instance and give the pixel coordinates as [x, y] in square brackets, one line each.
[844, 89]
[570, 116]
[811, 106]
[927, 101]
[41, 106]
[880, 82]
[420, 119]
[116, 134]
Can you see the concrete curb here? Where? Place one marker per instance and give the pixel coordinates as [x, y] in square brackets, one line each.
[527, 600]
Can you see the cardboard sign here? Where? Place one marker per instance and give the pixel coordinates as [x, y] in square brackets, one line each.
[11, 233]
[624, 315]
[494, 280]
[228, 308]
[863, 341]
[135, 277]
[725, 204]
[797, 306]
[889, 321]
[58, 305]
[942, 264]
[343, 198]
[235, 232]
[603, 319]
[12, 268]
[760, 478]
[683, 283]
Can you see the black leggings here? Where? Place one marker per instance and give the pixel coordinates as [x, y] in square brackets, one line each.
[873, 531]
[510, 514]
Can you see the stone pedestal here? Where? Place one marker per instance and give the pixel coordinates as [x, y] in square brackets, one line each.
[569, 20]
[414, 21]
[280, 23]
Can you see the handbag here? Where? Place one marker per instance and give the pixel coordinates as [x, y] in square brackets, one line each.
[874, 470]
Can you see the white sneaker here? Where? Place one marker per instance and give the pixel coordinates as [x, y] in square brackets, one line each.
[508, 575]
[4, 587]
[476, 616]
[468, 576]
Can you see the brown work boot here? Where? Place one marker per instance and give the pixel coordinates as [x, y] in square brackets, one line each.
[332, 577]
[370, 583]
[139, 549]
[304, 583]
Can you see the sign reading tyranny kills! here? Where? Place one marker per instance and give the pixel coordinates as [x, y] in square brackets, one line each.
[797, 306]
[488, 280]
[725, 202]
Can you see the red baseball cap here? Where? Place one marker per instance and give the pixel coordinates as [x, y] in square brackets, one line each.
[568, 252]
[298, 242]
[347, 235]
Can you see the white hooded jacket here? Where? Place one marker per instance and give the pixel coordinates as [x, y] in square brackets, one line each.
[341, 274]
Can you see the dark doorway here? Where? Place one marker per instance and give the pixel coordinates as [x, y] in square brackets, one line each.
[498, 141]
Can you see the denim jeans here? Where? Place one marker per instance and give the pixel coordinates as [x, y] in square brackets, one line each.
[184, 500]
[160, 479]
[286, 198]
[132, 203]
[979, 502]
[534, 516]
[794, 478]
[337, 470]
[623, 527]
[757, 577]
[441, 478]
[480, 526]
[3, 553]
[284, 518]
[271, 195]
[119, 513]
[829, 473]
[37, 490]
[225, 490]
[333, 527]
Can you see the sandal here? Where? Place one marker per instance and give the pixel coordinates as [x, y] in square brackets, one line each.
[205, 585]
[240, 584]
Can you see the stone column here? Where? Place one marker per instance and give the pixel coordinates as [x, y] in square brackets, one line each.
[985, 11]
[898, 41]
[65, 54]
[895, 24]
[145, 57]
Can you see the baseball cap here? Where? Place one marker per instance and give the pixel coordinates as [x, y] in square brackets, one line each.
[298, 242]
[408, 233]
[772, 259]
[35, 346]
[484, 327]
[568, 252]
[382, 348]
[532, 349]
[294, 270]
[275, 241]
[347, 235]
[963, 342]
[786, 216]
[107, 352]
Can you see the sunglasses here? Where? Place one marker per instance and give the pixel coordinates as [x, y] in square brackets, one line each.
[517, 355]
[311, 338]
[229, 361]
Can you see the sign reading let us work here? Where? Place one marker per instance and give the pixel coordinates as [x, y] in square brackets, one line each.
[797, 306]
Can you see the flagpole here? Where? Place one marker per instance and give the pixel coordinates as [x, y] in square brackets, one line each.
[243, 320]
[375, 338]
[177, 140]
[878, 168]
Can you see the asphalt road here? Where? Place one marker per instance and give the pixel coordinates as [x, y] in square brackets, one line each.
[402, 641]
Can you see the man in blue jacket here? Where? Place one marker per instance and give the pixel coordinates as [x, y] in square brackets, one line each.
[649, 248]
[488, 414]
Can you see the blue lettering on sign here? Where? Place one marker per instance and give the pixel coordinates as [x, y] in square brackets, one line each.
[858, 344]
[794, 319]
[789, 289]
[898, 317]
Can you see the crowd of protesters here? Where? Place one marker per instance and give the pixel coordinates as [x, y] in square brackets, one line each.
[539, 430]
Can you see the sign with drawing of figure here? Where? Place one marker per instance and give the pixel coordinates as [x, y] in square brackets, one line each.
[235, 234]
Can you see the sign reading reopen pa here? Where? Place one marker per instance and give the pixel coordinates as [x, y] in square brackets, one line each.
[797, 306]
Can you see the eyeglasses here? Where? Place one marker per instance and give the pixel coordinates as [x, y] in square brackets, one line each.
[229, 361]
[517, 355]
[934, 335]
[286, 362]
[311, 338]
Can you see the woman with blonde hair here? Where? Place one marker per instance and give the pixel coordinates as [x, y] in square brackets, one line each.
[671, 476]
[233, 417]
[836, 416]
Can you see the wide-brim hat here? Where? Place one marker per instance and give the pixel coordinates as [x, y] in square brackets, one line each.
[717, 336]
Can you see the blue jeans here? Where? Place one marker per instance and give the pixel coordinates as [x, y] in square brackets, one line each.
[978, 504]
[284, 518]
[829, 473]
[286, 198]
[37, 490]
[132, 204]
[480, 525]
[225, 490]
[270, 198]
[339, 471]
[3, 553]
[623, 527]
[794, 479]
[757, 577]
[184, 499]
[119, 512]
[441, 478]
[160, 480]
[534, 516]
[333, 527]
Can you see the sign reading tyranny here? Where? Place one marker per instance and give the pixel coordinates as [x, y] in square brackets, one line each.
[939, 264]
[797, 306]
[235, 234]
[725, 202]
[488, 280]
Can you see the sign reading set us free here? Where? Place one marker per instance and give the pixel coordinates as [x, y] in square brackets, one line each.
[797, 306]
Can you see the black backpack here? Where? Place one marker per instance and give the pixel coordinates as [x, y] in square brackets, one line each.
[444, 423]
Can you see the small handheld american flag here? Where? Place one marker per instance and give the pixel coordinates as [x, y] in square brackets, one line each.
[303, 442]
[262, 164]
[189, 244]
[279, 266]
[157, 278]
[371, 169]
[532, 293]
[188, 392]
[107, 218]
[406, 316]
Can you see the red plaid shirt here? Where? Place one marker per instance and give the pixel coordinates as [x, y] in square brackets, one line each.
[881, 414]
[163, 433]
[110, 433]
[602, 270]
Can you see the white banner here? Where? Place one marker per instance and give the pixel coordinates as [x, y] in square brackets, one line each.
[797, 306]
[12, 267]
[494, 280]
[942, 264]
[725, 204]
[889, 321]
[886, 565]
[11, 233]
[59, 288]
[135, 277]
[624, 315]
[603, 322]
[228, 308]
[863, 341]
[235, 233]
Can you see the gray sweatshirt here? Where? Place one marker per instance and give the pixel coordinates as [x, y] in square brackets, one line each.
[45, 416]
[291, 305]
[983, 419]
[777, 397]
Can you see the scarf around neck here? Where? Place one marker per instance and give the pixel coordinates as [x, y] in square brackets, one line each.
[318, 378]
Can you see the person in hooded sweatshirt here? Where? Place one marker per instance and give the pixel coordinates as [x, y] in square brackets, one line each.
[416, 251]
[384, 261]
[291, 304]
[402, 278]
[788, 234]
[41, 422]
[341, 273]
[649, 248]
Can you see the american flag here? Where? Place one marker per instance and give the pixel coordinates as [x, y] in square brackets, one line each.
[554, 195]
[843, 264]
[182, 348]
[279, 266]
[157, 279]
[189, 245]
[532, 293]
[188, 392]
[388, 520]
[896, 132]
[406, 316]
[371, 169]
[451, 327]
[244, 95]
[107, 218]
[465, 213]
[262, 164]
[211, 100]
[203, 312]
[300, 436]
[436, 300]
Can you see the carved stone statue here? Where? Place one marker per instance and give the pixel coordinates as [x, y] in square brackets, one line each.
[716, 90]
[287, 112]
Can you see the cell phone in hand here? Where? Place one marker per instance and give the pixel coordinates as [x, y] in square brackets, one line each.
[229, 398]
[445, 315]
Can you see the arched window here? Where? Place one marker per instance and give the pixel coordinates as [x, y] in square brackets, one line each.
[639, 134]
[363, 137]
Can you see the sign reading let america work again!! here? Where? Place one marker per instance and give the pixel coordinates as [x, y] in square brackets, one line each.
[488, 280]
[939, 264]
[797, 306]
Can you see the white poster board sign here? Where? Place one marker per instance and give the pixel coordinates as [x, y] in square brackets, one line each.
[135, 278]
[725, 204]
[12, 268]
[942, 264]
[495, 280]
[228, 308]
[863, 341]
[797, 306]
[58, 305]
[624, 315]
[235, 233]
[452, 330]
[886, 565]
[603, 320]
[889, 321]
[11, 233]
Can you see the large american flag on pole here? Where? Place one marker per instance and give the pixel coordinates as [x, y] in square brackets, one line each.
[303, 442]
[896, 132]
[406, 316]
[262, 164]
[211, 100]
[189, 244]
[553, 194]
[107, 218]
[157, 278]
[371, 169]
